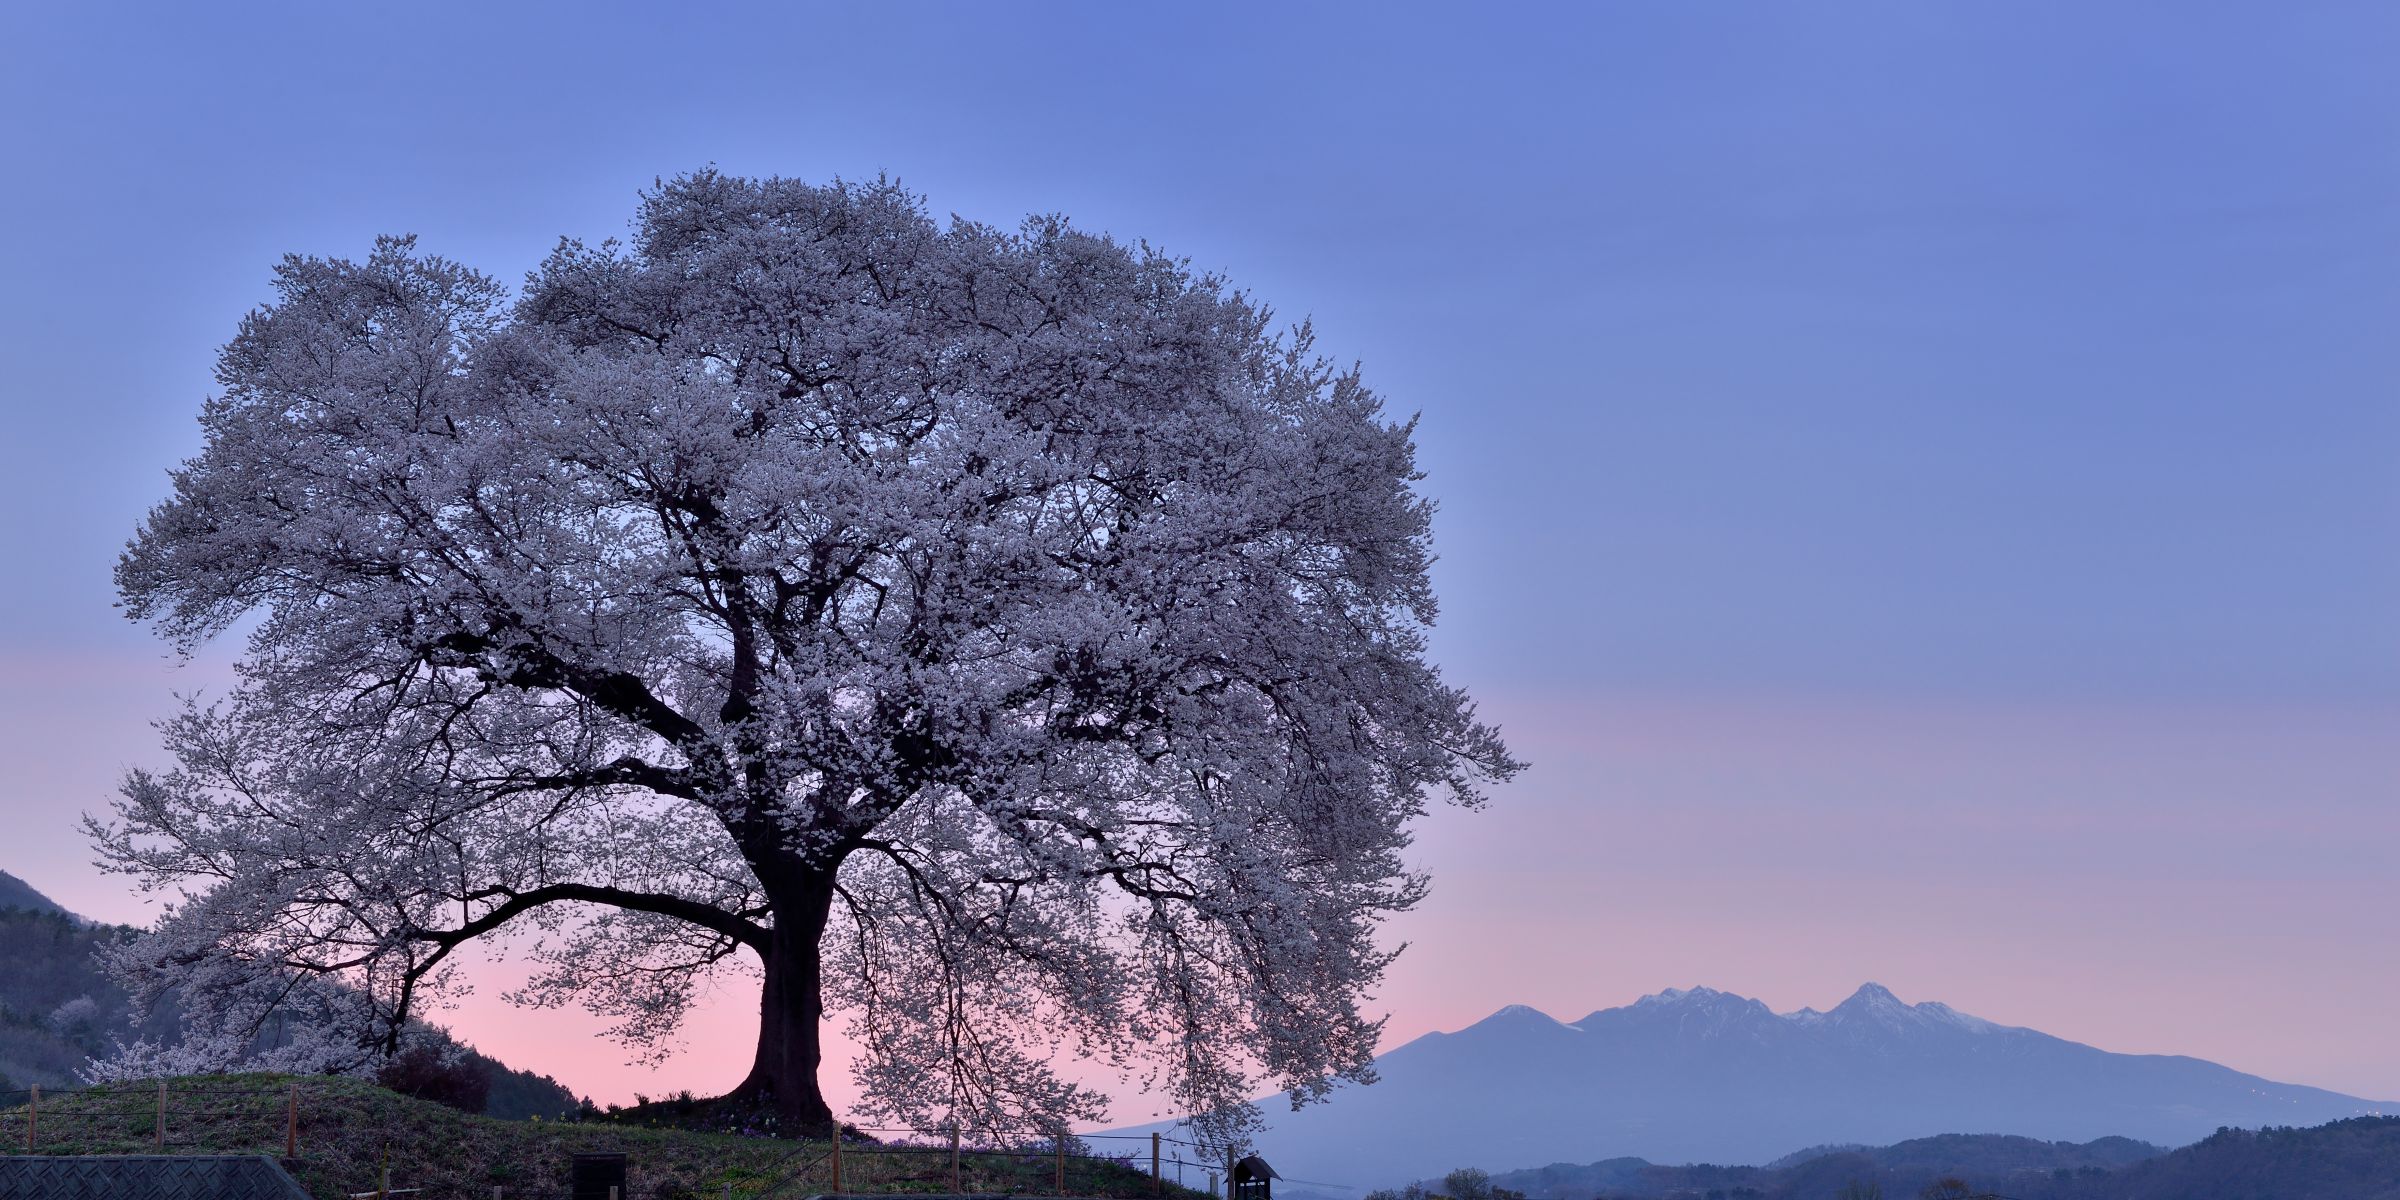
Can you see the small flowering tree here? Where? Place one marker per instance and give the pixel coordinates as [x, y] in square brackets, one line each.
[1000, 640]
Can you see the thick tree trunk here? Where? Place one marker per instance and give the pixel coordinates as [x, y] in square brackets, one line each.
[791, 1007]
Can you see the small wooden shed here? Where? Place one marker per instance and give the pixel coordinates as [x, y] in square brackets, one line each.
[1252, 1180]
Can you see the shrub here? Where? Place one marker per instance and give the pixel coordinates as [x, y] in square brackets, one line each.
[439, 1074]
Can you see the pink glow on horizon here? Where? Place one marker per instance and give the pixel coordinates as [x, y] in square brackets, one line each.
[2094, 873]
[2100, 889]
[2157, 879]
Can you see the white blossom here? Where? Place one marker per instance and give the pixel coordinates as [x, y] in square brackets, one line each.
[1003, 642]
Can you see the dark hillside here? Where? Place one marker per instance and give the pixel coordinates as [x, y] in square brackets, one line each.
[57, 1007]
[2356, 1159]
[2018, 1166]
[1993, 1155]
[58, 1010]
[16, 893]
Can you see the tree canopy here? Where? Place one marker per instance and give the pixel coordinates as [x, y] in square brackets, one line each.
[1006, 642]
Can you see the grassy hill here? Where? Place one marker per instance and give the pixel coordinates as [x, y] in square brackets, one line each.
[349, 1129]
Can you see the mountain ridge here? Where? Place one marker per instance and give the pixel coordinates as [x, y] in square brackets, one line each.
[1702, 1075]
[16, 893]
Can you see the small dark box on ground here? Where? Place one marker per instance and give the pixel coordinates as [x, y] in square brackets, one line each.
[592, 1175]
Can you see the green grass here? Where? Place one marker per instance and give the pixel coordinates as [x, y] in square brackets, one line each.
[349, 1128]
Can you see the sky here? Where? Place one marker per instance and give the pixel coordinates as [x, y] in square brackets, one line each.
[1920, 482]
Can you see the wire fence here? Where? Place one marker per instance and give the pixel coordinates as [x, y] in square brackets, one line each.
[168, 1115]
[899, 1160]
[931, 1161]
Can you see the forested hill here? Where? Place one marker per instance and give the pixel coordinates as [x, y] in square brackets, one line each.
[2356, 1159]
[58, 1009]
[1902, 1169]
[16, 893]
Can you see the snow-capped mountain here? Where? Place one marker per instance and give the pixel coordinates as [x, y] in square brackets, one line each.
[1700, 1075]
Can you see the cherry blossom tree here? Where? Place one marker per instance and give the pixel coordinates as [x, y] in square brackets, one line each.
[1004, 642]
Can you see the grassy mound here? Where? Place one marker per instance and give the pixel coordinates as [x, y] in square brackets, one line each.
[350, 1130]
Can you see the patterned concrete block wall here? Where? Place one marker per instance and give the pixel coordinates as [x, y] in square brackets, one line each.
[146, 1177]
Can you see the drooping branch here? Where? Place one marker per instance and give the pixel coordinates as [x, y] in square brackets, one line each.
[516, 904]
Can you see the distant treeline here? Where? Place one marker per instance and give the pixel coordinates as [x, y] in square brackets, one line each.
[59, 1010]
[2357, 1159]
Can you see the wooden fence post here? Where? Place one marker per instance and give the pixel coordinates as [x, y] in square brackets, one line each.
[837, 1157]
[291, 1128]
[1229, 1164]
[1062, 1160]
[1158, 1182]
[33, 1116]
[954, 1187]
[161, 1137]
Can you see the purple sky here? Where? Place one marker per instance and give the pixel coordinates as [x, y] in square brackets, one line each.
[1921, 483]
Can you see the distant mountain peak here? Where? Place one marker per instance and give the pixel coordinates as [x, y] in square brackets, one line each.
[1872, 1007]
[1872, 995]
[1680, 996]
[1523, 1014]
[1697, 1011]
[1875, 1004]
[1692, 999]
